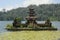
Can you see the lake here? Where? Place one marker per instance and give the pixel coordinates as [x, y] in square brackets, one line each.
[3, 24]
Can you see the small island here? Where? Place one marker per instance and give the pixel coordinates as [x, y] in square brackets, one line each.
[31, 23]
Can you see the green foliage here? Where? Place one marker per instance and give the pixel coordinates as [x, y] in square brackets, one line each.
[9, 26]
[43, 12]
[53, 18]
[18, 19]
[29, 26]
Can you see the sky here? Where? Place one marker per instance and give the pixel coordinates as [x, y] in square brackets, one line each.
[12, 4]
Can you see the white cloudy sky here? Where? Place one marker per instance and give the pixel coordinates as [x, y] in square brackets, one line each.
[10, 4]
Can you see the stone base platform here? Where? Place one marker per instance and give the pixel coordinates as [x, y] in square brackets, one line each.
[31, 29]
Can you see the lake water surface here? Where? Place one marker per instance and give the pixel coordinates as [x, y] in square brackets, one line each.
[3, 24]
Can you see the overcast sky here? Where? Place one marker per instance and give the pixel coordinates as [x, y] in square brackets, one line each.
[10, 4]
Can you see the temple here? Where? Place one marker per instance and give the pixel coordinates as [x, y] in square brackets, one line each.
[31, 19]
[32, 24]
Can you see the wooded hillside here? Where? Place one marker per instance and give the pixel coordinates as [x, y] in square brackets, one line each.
[43, 12]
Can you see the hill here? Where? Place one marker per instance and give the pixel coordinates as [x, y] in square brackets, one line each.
[43, 12]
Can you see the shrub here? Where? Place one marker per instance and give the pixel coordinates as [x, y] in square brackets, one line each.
[9, 26]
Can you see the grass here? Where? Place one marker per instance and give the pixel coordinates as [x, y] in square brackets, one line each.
[31, 35]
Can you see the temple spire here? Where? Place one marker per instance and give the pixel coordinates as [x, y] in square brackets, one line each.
[31, 12]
